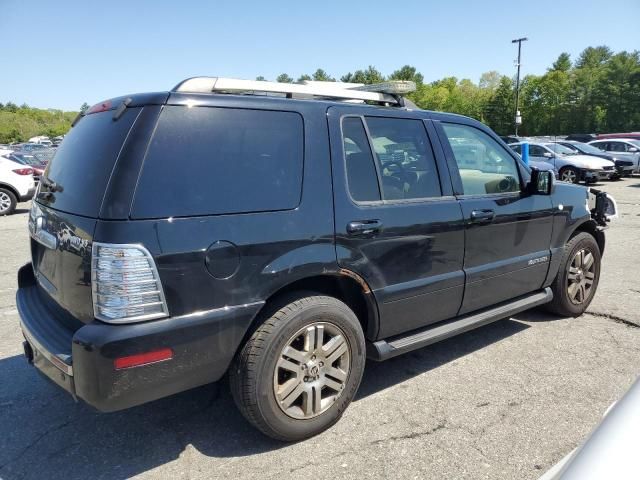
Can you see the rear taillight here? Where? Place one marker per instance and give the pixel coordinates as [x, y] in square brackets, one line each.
[23, 171]
[126, 285]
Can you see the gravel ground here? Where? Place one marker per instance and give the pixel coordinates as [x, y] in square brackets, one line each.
[504, 401]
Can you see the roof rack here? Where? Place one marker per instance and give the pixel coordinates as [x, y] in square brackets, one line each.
[386, 92]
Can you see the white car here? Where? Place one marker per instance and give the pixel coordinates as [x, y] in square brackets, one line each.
[625, 148]
[16, 185]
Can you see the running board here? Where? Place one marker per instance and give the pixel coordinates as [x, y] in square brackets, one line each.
[391, 347]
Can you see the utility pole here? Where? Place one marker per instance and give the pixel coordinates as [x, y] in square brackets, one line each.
[518, 117]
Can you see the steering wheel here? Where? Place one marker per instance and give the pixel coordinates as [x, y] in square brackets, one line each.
[399, 175]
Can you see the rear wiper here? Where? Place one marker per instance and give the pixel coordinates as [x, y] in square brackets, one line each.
[51, 186]
[121, 109]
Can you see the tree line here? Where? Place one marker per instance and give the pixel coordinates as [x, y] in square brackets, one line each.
[598, 92]
[19, 123]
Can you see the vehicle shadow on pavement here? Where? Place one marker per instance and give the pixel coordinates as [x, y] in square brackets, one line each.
[43, 430]
[381, 375]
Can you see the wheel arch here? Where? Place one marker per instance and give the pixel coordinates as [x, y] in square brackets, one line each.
[590, 227]
[344, 285]
[6, 186]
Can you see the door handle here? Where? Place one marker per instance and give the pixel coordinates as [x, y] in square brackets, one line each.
[482, 216]
[365, 227]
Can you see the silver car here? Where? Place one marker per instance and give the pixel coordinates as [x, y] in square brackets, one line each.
[627, 148]
[570, 167]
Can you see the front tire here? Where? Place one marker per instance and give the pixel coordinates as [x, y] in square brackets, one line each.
[569, 174]
[300, 369]
[577, 279]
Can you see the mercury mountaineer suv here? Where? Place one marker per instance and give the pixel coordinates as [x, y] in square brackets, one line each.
[282, 234]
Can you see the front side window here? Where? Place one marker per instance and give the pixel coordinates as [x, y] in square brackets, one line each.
[536, 151]
[484, 166]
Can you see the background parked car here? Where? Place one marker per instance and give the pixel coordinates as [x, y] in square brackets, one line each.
[16, 185]
[627, 148]
[28, 160]
[571, 168]
[624, 167]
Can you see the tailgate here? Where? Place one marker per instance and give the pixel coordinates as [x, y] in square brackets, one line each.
[61, 259]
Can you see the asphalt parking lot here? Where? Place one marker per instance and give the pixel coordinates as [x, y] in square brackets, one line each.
[502, 402]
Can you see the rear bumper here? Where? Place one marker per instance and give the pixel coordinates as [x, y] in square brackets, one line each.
[82, 361]
[28, 196]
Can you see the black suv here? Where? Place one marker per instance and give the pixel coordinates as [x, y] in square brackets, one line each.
[284, 238]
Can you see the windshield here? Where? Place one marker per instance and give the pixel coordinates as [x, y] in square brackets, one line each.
[635, 142]
[561, 149]
[590, 149]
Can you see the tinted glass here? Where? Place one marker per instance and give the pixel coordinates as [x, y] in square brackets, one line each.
[83, 163]
[517, 149]
[536, 151]
[485, 167]
[361, 173]
[405, 159]
[207, 161]
[617, 147]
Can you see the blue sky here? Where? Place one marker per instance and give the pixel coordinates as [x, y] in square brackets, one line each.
[63, 53]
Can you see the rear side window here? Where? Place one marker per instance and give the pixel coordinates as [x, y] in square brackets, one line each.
[361, 173]
[404, 167]
[207, 161]
[405, 159]
[84, 161]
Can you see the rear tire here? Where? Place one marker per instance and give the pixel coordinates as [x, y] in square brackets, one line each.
[577, 279]
[300, 369]
[8, 202]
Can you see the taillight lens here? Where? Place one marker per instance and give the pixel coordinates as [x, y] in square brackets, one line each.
[23, 171]
[126, 285]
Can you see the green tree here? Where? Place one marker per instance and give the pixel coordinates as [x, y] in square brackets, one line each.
[284, 78]
[303, 78]
[500, 108]
[321, 76]
[592, 57]
[84, 107]
[408, 73]
[368, 76]
[260, 78]
[562, 63]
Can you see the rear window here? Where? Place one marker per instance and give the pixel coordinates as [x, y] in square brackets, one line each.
[83, 163]
[208, 161]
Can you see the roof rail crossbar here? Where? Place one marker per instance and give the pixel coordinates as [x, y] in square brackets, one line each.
[387, 92]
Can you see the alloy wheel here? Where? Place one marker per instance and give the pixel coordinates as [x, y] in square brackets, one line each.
[568, 176]
[581, 276]
[5, 202]
[312, 370]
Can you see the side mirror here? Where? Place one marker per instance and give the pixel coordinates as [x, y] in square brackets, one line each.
[633, 150]
[541, 182]
[547, 154]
